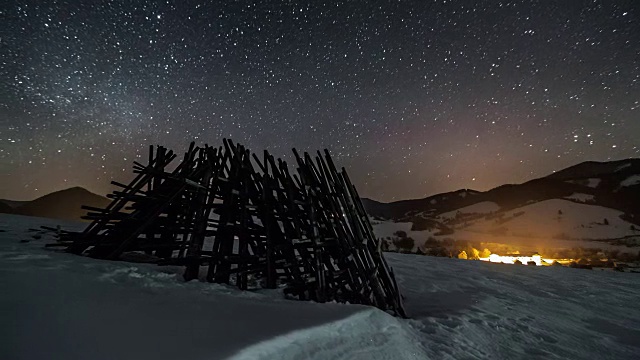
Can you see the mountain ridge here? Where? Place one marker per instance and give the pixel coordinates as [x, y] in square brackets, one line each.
[609, 184]
[612, 184]
[62, 204]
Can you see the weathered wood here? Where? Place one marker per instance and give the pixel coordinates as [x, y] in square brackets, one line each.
[245, 217]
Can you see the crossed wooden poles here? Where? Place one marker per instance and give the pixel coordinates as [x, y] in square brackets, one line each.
[227, 222]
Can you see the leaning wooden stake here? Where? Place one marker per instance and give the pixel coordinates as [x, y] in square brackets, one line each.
[246, 220]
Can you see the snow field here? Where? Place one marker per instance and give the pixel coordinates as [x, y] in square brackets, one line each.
[61, 306]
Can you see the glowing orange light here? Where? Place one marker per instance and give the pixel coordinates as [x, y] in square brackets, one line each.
[511, 259]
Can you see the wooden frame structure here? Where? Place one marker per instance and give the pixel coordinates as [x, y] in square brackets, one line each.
[227, 222]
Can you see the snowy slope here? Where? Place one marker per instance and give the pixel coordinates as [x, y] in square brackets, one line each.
[388, 229]
[549, 224]
[590, 182]
[631, 180]
[61, 306]
[559, 218]
[580, 197]
[484, 207]
[613, 185]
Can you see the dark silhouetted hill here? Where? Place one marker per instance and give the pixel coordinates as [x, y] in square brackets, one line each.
[5, 208]
[614, 184]
[63, 204]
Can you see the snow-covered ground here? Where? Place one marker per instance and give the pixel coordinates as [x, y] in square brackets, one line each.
[631, 180]
[580, 197]
[559, 218]
[484, 207]
[61, 306]
[591, 182]
[549, 223]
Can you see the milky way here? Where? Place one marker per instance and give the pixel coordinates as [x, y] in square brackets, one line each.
[413, 97]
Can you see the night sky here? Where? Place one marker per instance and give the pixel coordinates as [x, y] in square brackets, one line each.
[412, 97]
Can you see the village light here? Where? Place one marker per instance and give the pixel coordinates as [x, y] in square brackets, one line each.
[495, 258]
[512, 258]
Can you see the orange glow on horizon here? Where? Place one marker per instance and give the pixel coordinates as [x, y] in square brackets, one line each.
[511, 259]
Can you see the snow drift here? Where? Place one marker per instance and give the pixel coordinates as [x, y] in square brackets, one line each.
[61, 306]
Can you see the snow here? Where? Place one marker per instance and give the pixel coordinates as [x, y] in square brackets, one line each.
[471, 309]
[623, 166]
[484, 207]
[384, 229]
[580, 197]
[388, 228]
[593, 182]
[559, 218]
[631, 180]
[343, 339]
[57, 305]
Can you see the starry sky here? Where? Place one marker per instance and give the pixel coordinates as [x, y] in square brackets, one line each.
[412, 97]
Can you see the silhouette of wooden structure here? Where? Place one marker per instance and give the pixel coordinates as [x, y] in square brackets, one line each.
[227, 222]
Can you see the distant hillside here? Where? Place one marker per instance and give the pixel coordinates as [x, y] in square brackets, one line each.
[5, 208]
[594, 169]
[613, 184]
[64, 204]
[12, 203]
[428, 206]
[590, 201]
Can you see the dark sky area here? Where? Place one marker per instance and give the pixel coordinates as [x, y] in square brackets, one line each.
[412, 97]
